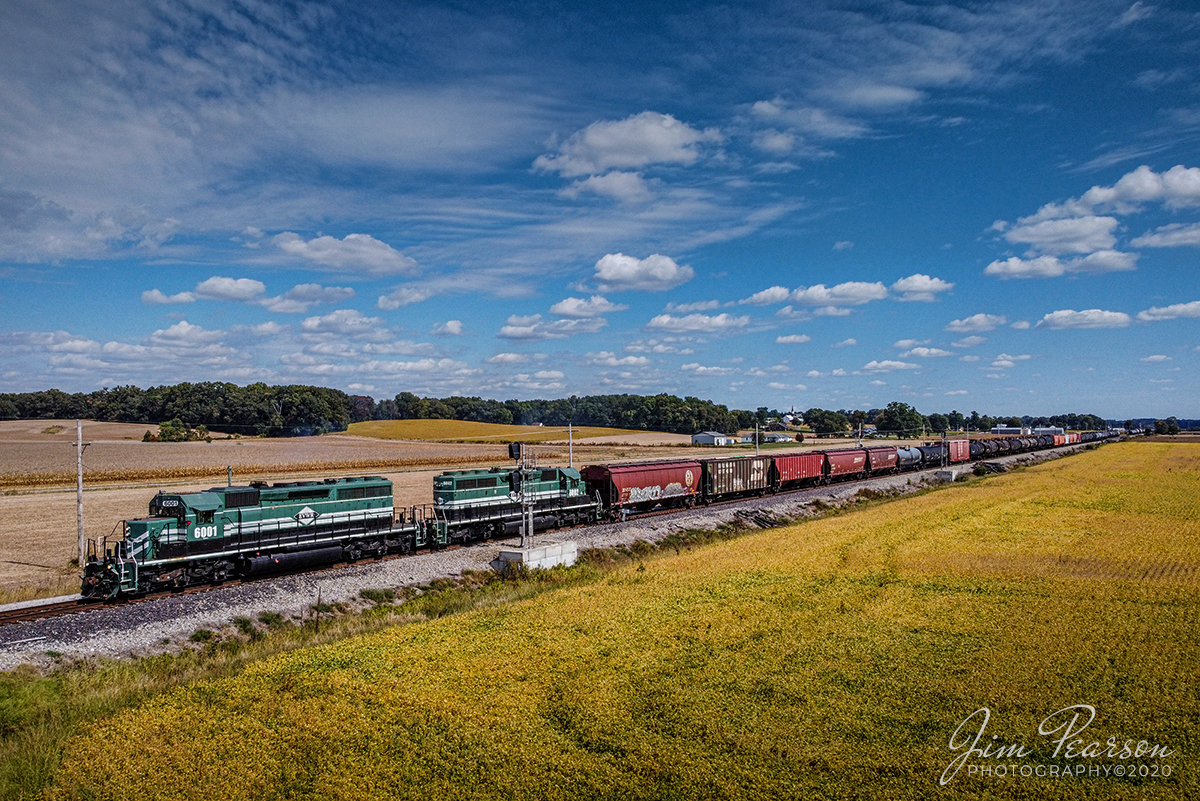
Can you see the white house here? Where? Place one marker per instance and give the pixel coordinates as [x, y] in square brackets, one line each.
[711, 438]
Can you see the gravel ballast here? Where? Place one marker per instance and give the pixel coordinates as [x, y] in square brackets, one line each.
[165, 624]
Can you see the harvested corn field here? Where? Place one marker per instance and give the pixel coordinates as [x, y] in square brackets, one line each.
[830, 659]
[467, 431]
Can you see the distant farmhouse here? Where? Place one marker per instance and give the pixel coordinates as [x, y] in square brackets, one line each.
[712, 438]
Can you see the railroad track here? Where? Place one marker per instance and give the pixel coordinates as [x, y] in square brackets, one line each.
[27, 613]
[37, 612]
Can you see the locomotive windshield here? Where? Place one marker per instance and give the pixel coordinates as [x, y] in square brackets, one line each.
[162, 505]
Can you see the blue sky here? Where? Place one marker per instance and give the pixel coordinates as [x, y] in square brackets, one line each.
[990, 207]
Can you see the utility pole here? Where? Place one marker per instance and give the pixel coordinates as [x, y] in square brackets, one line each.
[570, 446]
[756, 439]
[79, 446]
[229, 470]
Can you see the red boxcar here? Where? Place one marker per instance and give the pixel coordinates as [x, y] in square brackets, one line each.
[643, 485]
[882, 459]
[843, 464]
[1060, 439]
[960, 450]
[801, 468]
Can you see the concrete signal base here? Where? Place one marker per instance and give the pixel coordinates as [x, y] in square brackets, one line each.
[541, 556]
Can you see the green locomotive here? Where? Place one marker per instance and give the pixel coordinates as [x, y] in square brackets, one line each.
[227, 532]
[234, 532]
[478, 504]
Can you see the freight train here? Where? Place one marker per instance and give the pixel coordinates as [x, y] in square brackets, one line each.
[237, 532]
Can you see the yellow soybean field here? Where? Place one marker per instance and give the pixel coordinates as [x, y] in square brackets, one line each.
[835, 658]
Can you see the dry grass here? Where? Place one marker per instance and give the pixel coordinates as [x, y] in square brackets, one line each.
[831, 659]
[467, 431]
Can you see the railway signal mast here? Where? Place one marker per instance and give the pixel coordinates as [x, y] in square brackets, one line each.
[525, 462]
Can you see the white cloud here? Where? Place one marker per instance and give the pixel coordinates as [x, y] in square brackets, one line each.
[868, 94]
[1102, 261]
[357, 253]
[508, 358]
[617, 272]
[1006, 360]
[777, 143]
[909, 343]
[452, 328]
[839, 371]
[846, 343]
[793, 339]
[844, 244]
[608, 359]
[851, 293]
[887, 366]
[921, 287]
[594, 306]
[156, 297]
[627, 187]
[969, 359]
[878, 383]
[1068, 235]
[699, 369]
[957, 392]
[813, 121]
[636, 141]
[775, 294]
[350, 322]
[236, 289]
[532, 327]
[267, 329]
[664, 345]
[813, 374]
[1172, 312]
[301, 297]
[698, 322]
[402, 297]
[1020, 325]
[184, 333]
[1176, 188]
[969, 342]
[925, 353]
[700, 305]
[1090, 318]
[1155, 359]
[1170, 236]
[1136, 12]
[976, 322]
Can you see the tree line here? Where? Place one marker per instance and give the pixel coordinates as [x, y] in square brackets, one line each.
[294, 410]
[253, 410]
[903, 420]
